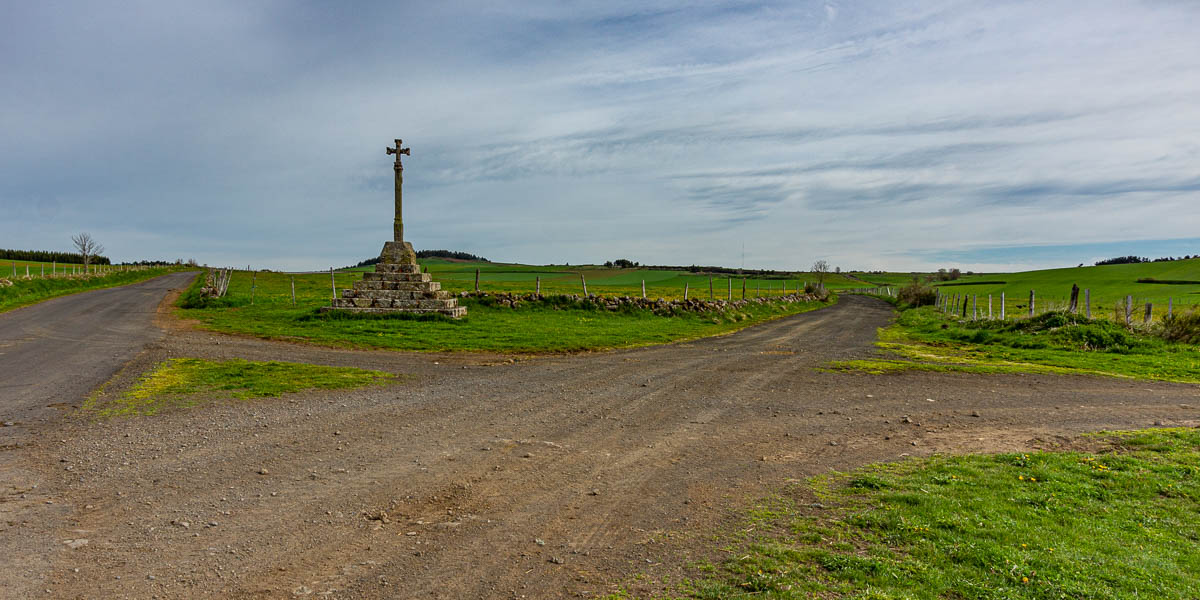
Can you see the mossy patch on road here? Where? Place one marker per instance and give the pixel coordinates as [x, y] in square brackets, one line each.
[188, 381]
[1121, 520]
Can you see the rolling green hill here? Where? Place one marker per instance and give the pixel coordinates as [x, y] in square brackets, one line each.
[1109, 285]
[457, 276]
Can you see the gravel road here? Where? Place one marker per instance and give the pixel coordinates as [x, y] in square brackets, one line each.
[500, 477]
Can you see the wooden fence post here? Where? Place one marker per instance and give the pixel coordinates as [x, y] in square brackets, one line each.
[1170, 307]
[964, 308]
[293, 291]
[477, 280]
[729, 280]
[1002, 300]
[710, 289]
[1032, 301]
[1074, 307]
[583, 280]
[332, 286]
[643, 289]
[757, 289]
[1128, 310]
[686, 285]
[989, 307]
[1087, 303]
[743, 288]
[539, 285]
[1149, 313]
[54, 268]
[254, 285]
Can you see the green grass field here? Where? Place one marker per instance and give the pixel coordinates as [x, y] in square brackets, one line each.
[24, 292]
[925, 339]
[1109, 285]
[37, 268]
[265, 310]
[457, 276]
[1119, 521]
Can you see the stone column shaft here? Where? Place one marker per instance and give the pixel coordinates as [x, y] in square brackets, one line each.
[398, 224]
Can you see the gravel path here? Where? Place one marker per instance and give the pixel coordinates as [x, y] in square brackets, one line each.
[500, 477]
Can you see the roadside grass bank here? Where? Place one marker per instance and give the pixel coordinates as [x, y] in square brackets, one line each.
[23, 292]
[554, 325]
[183, 382]
[1057, 342]
[1120, 520]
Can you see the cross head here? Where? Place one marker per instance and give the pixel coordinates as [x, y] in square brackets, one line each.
[398, 150]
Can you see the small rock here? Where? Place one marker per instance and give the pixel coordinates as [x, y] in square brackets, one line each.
[914, 442]
[527, 455]
[539, 541]
[213, 523]
[263, 471]
[556, 560]
[833, 443]
[76, 543]
[905, 419]
[975, 413]
[594, 492]
[1159, 424]
[150, 577]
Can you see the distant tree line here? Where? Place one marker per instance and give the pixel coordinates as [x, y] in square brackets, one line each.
[1130, 260]
[450, 254]
[947, 275]
[624, 263]
[429, 254]
[48, 256]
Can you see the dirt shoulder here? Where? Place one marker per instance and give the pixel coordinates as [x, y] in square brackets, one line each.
[545, 477]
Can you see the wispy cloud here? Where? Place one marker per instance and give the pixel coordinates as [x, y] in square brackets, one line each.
[897, 135]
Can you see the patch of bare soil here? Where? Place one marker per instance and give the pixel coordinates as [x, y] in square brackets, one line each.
[482, 478]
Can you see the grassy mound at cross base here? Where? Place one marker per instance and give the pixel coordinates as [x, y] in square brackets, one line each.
[533, 327]
[1121, 521]
[186, 381]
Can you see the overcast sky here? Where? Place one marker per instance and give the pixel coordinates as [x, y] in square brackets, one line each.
[876, 135]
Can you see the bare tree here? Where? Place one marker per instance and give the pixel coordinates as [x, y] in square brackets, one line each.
[821, 268]
[87, 247]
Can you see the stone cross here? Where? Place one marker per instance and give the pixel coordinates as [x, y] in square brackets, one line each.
[398, 224]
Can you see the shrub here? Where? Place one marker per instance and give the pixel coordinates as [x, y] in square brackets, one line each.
[917, 293]
[1183, 327]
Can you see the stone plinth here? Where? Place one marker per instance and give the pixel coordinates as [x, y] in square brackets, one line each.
[398, 285]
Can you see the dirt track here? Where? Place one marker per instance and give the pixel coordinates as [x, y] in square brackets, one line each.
[618, 462]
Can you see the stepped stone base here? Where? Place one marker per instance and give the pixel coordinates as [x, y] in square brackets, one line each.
[398, 285]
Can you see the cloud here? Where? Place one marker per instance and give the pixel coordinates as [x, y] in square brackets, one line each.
[875, 136]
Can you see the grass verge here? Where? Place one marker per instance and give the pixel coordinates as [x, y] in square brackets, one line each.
[24, 292]
[181, 382]
[927, 340]
[1119, 521]
[555, 325]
